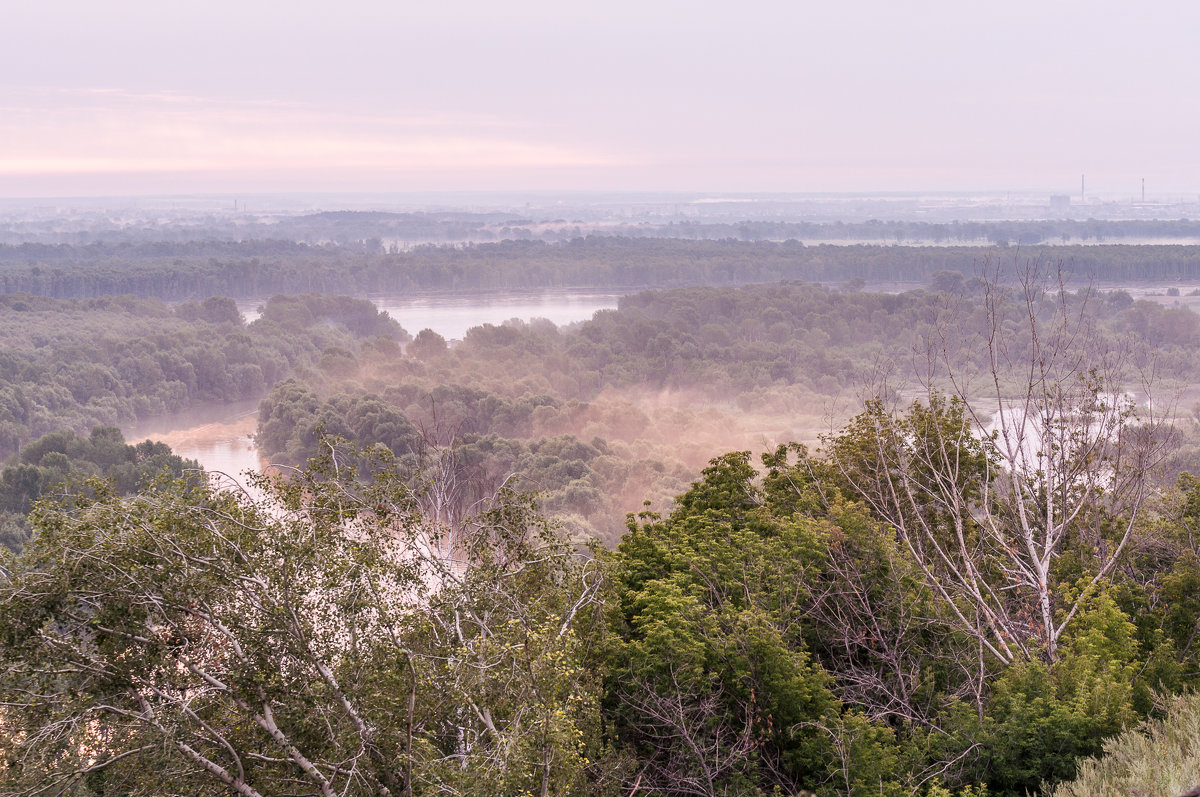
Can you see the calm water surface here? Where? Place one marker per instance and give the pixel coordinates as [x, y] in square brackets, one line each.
[451, 315]
[219, 437]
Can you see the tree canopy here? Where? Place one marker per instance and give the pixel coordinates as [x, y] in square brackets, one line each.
[332, 641]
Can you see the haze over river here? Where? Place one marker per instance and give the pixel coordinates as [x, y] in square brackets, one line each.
[451, 315]
[220, 437]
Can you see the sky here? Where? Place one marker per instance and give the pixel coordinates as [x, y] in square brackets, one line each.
[135, 97]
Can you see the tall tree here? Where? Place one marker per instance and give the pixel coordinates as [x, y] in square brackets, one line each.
[710, 681]
[1041, 453]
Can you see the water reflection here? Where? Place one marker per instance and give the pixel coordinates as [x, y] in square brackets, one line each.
[219, 437]
[451, 315]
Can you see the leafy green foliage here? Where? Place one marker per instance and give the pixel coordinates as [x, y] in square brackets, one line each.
[64, 461]
[336, 640]
[907, 697]
[710, 681]
[1042, 717]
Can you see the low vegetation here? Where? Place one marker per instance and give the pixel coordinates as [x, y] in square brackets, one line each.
[1161, 756]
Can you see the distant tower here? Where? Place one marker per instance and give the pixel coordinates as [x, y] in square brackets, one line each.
[1082, 195]
[1143, 190]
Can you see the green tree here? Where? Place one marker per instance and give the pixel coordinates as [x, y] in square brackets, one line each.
[331, 641]
[427, 345]
[62, 462]
[710, 681]
[1042, 717]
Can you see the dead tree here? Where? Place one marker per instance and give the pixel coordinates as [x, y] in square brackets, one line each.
[1029, 444]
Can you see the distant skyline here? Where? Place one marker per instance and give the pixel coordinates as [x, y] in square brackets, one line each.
[134, 97]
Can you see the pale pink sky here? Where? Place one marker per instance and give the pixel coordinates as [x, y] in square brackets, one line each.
[151, 97]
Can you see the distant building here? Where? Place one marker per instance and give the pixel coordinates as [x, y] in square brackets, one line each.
[1060, 203]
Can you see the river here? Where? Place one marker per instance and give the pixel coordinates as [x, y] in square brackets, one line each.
[451, 315]
[218, 436]
[221, 437]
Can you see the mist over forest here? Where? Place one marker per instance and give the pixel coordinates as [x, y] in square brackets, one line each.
[857, 495]
[636, 399]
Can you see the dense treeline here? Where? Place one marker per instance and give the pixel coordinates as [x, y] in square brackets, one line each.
[342, 227]
[74, 364]
[1003, 233]
[262, 268]
[64, 459]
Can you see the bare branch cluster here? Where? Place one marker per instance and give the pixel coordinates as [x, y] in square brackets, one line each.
[994, 474]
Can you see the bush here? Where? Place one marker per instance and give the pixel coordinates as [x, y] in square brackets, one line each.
[1162, 757]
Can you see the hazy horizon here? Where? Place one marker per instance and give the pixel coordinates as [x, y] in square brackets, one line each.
[138, 98]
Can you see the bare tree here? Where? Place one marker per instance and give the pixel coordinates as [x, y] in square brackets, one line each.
[1033, 445]
[693, 742]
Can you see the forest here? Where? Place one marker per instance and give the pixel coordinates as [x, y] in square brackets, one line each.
[772, 539]
[629, 406]
[76, 364]
[194, 270]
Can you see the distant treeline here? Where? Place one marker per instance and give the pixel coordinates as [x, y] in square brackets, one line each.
[340, 227]
[262, 268]
[382, 230]
[1002, 233]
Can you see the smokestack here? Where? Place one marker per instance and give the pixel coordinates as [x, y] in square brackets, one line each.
[1081, 192]
[1143, 190]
